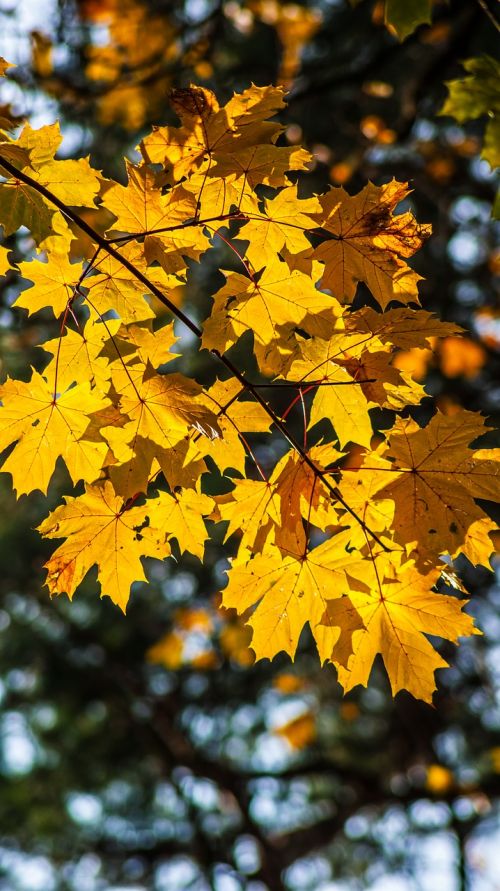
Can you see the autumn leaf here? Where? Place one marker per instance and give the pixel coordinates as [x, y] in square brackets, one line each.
[45, 426]
[277, 297]
[397, 608]
[53, 283]
[433, 477]
[368, 243]
[135, 342]
[261, 165]
[113, 288]
[99, 530]
[162, 407]
[303, 497]
[22, 205]
[252, 507]
[76, 357]
[180, 515]
[405, 328]
[42, 143]
[183, 150]
[285, 221]
[288, 592]
[339, 397]
[141, 207]
[208, 130]
[361, 491]
[74, 182]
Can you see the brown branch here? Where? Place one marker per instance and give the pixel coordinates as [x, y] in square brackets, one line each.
[195, 221]
[489, 12]
[303, 385]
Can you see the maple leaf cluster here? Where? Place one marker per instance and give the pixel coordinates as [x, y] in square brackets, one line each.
[350, 532]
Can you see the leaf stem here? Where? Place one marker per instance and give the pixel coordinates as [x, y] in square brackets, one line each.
[305, 385]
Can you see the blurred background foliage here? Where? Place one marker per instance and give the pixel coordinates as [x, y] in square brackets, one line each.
[147, 752]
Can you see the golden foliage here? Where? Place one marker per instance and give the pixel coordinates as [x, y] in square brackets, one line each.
[348, 531]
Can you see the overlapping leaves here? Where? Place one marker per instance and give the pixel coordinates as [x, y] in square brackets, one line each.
[346, 533]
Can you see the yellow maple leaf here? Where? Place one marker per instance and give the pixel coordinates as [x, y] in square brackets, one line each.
[276, 298]
[398, 608]
[22, 205]
[137, 460]
[74, 182]
[150, 346]
[339, 397]
[131, 464]
[254, 105]
[161, 407]
[274, 510]
[76, 357]
[381, 382]
[140, 206]
[159, 414]
[369, 244]
[433, 477]
[181, 516]
[184, 239]
[209, 130]
[295, 484]
[285, 220]
[252, 507]
[406, 328]
[184, 149]
[42, 143]
[302, 497]
[261, 164]
[53, 283]
[46, 426]
[216, 197]
[479, 543]
[361, 492]
[288, 593]
[99, 530]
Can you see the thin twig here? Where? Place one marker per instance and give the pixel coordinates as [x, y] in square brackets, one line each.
[194, 221]
[302, 385]
[491, 15]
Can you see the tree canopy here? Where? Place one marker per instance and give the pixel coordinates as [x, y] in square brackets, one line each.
[238, 368]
